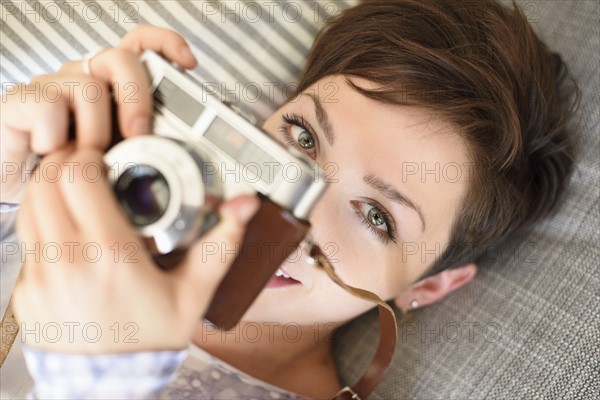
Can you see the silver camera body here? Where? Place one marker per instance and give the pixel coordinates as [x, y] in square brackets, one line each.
[201, 151]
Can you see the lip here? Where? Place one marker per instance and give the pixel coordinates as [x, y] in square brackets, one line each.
[280, 281]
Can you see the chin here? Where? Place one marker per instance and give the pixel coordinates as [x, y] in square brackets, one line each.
[282, 304]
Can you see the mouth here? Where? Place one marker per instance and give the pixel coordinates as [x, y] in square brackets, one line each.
[281, 279]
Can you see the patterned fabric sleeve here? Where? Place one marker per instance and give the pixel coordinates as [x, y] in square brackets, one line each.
[8, 207]
[137, 375]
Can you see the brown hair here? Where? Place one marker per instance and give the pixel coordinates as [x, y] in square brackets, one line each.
[482, 68]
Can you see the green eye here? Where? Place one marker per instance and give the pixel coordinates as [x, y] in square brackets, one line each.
[373, 215]
[303, 137]
[376, 217]
[305, 140]
[296, 133]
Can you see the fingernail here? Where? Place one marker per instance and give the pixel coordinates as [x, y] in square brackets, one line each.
[246, 210]
[140, 126]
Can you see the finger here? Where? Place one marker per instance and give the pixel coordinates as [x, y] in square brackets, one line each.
[29, 242]
[41, 122]
[42, 108]
[73, 67]
[56, 232]
[164, 41]
[46, 198]
[91, 201]
[204, 265]
[122, 70]
[26, 226]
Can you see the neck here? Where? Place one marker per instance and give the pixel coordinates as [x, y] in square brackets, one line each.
[292, 357]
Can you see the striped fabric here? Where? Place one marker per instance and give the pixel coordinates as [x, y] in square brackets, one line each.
[527, 327]
[251, 51]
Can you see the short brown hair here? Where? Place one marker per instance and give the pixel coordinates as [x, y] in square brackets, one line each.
[482, 68]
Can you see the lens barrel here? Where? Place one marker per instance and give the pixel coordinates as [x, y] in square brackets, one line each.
[143, 193]
[162, 185]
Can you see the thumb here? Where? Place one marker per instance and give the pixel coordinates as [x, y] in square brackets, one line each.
[209, 258]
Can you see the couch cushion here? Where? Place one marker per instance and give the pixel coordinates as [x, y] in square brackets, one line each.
[528, 326]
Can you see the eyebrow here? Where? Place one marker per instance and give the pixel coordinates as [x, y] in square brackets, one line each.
[393, 194]
[323, 119]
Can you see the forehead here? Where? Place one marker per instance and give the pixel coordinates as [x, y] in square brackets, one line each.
[412, 148]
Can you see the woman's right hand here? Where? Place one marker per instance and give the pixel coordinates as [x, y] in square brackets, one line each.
[35, 116]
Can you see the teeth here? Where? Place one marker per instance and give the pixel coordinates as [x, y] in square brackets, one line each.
[279, 272]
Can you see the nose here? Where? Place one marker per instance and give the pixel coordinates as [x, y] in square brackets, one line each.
[324, 218]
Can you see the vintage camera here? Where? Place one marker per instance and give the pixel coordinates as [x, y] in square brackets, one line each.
[203, 151]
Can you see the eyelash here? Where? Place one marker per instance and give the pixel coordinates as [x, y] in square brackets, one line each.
[300, 122]
[385, 237]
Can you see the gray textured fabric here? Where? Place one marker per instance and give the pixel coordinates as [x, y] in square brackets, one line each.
[527, 327]
[529, 324]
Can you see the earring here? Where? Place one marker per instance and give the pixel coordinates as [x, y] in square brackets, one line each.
[414, 304]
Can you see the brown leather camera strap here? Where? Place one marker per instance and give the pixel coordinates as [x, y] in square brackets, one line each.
[276, 233]
[387, 336]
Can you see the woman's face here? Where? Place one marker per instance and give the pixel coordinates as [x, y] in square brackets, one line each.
[397, 177]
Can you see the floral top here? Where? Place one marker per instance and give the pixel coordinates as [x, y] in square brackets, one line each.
[185, 374]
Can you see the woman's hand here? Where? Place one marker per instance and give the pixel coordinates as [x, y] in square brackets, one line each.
[35, 116]
[88, 285]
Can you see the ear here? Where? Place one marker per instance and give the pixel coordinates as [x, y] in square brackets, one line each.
[436, 287]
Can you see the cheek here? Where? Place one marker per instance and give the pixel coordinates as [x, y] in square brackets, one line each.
[373, 272]
[357, 259]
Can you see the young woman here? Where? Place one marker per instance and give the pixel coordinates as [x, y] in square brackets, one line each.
[446, 124]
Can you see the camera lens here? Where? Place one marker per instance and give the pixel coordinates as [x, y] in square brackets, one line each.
[143, 193]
